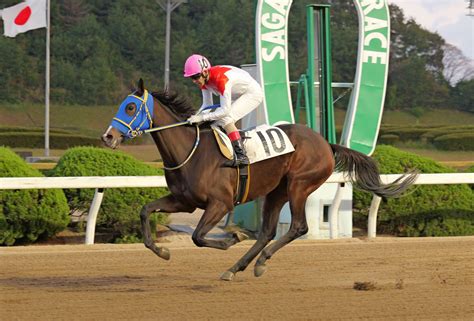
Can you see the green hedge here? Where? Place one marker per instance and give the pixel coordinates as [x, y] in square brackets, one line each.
[26, 215]
[388, 139]
[421, 202]
[406, 133]
[120, 209]
[36, 140]
[458, 141]
[445, 130]
[442, 137]
[435, 223]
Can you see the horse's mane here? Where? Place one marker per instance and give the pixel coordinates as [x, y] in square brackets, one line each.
[179, 105]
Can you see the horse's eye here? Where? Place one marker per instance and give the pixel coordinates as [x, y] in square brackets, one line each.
[130, 109]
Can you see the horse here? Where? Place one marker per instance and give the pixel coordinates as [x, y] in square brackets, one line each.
[197, 176]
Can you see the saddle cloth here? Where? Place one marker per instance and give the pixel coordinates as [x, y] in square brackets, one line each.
[262, 142]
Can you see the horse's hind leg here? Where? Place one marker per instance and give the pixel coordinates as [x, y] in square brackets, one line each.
[298, 227]
[167, 204]
[271, 213]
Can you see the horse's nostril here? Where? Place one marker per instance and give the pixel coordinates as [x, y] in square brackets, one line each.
[106, 138]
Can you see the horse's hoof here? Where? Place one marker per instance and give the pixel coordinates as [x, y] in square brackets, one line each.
[259, 270]
[240, 236]
[164, 253]
[227, 276]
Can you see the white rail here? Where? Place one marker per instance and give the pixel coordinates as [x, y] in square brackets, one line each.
[422, 179]
[100, 183]
[82, 182]
[97, 182]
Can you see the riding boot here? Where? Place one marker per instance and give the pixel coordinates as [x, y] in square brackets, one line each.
[240, 153]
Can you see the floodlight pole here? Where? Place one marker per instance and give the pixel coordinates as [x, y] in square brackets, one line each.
[47, 85]
[168, 6]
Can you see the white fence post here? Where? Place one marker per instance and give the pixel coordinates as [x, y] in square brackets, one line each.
[334, 213]
[92, 216]
[372, 221]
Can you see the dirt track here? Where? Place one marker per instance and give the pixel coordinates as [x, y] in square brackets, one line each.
[429, 279]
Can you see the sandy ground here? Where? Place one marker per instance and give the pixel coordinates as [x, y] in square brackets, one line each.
[416, 279]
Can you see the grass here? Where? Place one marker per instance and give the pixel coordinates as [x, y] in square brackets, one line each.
[86, 120]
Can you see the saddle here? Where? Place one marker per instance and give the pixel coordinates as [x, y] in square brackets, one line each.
[262, 142]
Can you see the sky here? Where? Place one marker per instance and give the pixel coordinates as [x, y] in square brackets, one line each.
[447, 17]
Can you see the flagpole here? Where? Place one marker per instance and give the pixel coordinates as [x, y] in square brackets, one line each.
[46, 109]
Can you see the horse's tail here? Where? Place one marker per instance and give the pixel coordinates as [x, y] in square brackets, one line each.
[364, 173]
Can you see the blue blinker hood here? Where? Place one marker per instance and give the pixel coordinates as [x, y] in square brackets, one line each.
[132, 126]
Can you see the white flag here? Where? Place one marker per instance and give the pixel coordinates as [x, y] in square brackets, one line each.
[23, 17]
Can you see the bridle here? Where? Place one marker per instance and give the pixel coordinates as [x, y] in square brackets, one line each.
[132, 133]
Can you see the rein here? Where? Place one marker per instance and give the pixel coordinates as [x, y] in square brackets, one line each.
[157, 129]
[196, 142]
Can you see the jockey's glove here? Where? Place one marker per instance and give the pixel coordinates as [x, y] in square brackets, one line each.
[194, 119]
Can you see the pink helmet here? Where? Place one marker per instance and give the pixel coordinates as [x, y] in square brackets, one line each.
[196, 64]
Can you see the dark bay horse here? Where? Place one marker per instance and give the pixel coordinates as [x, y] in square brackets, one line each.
[197, 178]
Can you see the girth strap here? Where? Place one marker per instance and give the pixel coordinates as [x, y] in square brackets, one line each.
[243, 184]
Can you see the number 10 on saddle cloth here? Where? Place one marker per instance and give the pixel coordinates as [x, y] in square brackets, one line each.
[262, 142]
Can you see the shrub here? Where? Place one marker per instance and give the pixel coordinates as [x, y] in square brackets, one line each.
[442, 137]
[120, 208]
[422, 202]
[445, 130]
[437, 223]
[388, 139]
[406, 133]
[26, 215]
[457, 141]
[417, 111]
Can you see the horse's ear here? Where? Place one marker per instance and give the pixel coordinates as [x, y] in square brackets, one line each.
[141, 87]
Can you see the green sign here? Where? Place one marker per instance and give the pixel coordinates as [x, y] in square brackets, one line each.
[366, 106]
[272, 59]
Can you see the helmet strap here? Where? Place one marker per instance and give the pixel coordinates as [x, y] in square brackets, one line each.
[205, 75]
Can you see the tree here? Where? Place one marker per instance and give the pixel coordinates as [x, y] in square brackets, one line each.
[457, 67]
[72, 12]
[411, 85]
[18, 76]
[463, 95]
[124, 40]
[409, 39]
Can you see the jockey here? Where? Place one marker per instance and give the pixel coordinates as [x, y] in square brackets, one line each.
[239, 94]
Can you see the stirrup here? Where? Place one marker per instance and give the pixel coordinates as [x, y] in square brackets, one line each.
[243, 161]
[237, 162]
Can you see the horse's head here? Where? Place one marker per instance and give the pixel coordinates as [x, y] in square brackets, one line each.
[134, 115]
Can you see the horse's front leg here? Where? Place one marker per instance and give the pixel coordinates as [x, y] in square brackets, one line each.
[167, 204]
[214, 212]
